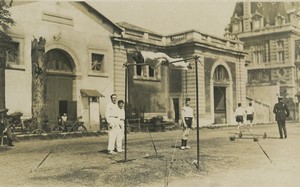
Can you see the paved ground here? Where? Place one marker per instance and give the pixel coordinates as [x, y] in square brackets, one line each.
[256, 169]
[78, 162]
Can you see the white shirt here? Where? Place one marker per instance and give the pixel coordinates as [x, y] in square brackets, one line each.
[121, 114]
[64, 118]
[187, 111]
[111, 113]
[250, 110]
[239, 111]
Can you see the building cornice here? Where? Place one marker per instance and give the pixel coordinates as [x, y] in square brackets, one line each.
[267, 30]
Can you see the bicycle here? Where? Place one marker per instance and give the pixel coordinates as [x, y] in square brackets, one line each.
[69, 126]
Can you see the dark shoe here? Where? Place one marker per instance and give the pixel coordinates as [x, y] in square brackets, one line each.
[11, 145]
[281, 137]
[285, 136]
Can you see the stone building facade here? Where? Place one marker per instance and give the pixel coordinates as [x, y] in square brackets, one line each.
[79, 57]
[221, 74]
[85, 57]
[270, 32]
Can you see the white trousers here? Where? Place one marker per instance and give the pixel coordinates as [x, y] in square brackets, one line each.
[120, 135]
[112, 136]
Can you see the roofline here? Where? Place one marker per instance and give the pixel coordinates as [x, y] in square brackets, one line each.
[97, 13]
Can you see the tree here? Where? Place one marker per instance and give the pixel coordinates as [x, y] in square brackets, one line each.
[5, 45]
[39, 77]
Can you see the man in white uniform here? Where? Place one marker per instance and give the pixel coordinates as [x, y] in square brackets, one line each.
[112, 119]
[120, 127]
[187, 116]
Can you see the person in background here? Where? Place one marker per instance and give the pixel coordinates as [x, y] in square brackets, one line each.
[281, 112]
[120, 127]
[250, 114]
[239, 116]
[5, 127]
[187, 117]
[112, 118]
[64, 119]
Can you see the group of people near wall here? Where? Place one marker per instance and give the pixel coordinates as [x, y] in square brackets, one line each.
[115, 117]
[240, 114]
[280, 110]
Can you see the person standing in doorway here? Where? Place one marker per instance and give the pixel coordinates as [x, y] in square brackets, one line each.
[239, 116]
[120, 128]
[250, 114]
[187, 117]
[281, 112]
[111, 115]
[64, 121]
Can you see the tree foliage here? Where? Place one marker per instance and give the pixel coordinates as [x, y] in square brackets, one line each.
[5, 23]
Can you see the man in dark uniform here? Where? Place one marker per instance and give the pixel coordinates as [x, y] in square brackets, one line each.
[281, 112]
[5, 126]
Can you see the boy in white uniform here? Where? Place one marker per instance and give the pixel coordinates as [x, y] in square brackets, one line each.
[250, 114]
[187, 116]
[239, 115]
[120, 128]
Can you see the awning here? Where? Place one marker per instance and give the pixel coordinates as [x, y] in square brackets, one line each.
[90, 93]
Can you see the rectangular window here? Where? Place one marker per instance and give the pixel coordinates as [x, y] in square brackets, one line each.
[257, 57]
[260, 53]
[151, 72]
[280, 56]
[13, 57]
[97, 62]
[235, 27]
[139, 70]
[280, 51]
[256, 24]
[280, 44]
[297, 50]
[145, 72]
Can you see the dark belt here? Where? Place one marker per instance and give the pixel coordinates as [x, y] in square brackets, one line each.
[113, 116]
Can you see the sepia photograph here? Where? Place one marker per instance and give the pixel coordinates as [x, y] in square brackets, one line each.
[149, 93]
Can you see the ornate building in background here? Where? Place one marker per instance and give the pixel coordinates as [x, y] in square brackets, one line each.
[271, 35]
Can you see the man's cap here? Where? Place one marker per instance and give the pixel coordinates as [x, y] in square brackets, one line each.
[3, 110]
[187, 99]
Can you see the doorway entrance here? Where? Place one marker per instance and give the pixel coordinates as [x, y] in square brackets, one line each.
[221, 83]
[176, 109]
[60, 77]
[220, 104]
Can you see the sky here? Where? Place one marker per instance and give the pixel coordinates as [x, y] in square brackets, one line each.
[170, 16]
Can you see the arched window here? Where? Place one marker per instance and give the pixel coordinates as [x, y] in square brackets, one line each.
[59, 61]
[221, 74]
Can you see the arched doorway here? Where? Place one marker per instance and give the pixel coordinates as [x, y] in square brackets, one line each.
[60, 76]
[221, 83]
